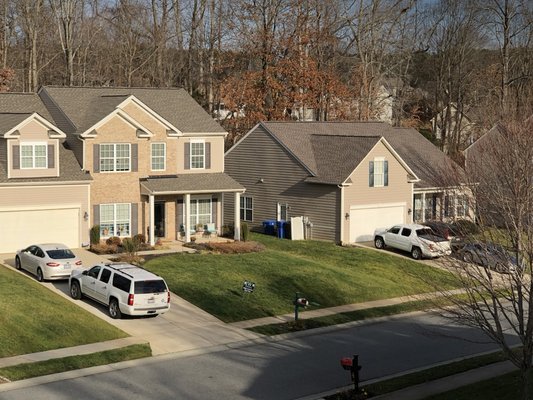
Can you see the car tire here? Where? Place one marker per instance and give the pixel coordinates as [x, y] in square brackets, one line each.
[379, 243]
[467, 257]
[39, 275]
[416, 253]
[114, 309]
[75, 291]
[18, 265]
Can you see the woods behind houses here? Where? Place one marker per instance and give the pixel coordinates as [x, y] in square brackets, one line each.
[432, 65]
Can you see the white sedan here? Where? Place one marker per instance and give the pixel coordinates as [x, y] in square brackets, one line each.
[47, 261]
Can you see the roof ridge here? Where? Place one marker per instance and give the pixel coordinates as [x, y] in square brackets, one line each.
[358, 135]
[112, 87]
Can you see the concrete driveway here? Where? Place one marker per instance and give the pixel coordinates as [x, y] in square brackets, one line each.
[184, 327]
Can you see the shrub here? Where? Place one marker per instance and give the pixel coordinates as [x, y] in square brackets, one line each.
[115, 240]
[130, 245]
[466, 227]
[103, 248]
[227, 231]
[95, 235]
[245, 232]
[140, 238]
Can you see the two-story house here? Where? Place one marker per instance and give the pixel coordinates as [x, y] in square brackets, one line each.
[152, 161]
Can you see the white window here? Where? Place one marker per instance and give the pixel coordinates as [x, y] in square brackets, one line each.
[379, 172]
[246, 208]
[462, 206]
[197, 155]
[115, 157]
[200, 212]
[115, 219]
[33, 156]
[158, 156]
[282, 212]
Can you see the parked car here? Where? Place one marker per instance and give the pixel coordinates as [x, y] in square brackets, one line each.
[419, 240]
[47, 261]
[489, 255]
[123, 288]
[449, 232]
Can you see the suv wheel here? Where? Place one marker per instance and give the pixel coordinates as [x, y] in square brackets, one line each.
[18, 265]
[75, 291]
[40, 276]
[114, 309]
[416, 253]
[379, 243]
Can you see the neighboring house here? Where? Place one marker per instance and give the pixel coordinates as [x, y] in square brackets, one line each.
[44, 194]
[447, 122]
[155, 156]
[345, 178]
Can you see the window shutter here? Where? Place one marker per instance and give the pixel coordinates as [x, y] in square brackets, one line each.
[134, 157]
[179, 214]
[96, 158]
[187, 156]
[371, 174]
[134, 219]
[214, 203]
[96, 214]
[385, 173]
[51, 156]
[16, 157]
[207, 155]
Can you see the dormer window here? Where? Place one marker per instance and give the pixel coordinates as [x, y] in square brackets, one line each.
[33, 156]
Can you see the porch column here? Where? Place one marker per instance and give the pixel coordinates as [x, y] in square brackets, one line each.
[237, 216]
[455, 205]
[186, 217]
[152, 219]
[423, 206]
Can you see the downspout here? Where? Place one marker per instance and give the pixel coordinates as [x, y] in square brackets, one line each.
[341, 214]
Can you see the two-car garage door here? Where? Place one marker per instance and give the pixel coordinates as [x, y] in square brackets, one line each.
[19, 229]
[364, 220]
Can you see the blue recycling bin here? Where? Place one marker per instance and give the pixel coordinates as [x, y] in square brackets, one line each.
[281, 228]
[269, 227]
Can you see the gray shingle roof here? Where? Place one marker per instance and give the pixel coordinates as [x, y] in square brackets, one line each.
[192, 183]
[86, 106]
[424, 158]
[69, 168]
[16, 107]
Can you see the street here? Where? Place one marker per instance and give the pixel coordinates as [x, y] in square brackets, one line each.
[287, 369]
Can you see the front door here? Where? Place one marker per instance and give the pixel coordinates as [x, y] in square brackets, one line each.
[159, 217]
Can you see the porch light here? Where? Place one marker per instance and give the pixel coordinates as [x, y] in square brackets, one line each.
[347, 215]
[409, 211]
[86, 216]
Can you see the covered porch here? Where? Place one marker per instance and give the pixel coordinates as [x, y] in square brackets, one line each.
[440, 205]
[178, 207]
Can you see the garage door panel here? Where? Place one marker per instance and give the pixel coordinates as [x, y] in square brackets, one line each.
[19, 229]
[365, 220]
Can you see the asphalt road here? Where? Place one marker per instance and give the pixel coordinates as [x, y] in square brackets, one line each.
[287, 369]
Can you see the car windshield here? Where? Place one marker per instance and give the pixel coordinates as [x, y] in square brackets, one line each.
[424, 232]
[60, 254]
[145, 287]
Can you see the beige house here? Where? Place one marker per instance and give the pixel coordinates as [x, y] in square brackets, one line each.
[133, 161]
[342, 180]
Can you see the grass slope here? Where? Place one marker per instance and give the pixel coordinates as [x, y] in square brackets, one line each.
[326, 274]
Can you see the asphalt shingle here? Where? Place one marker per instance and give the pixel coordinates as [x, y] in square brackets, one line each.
[191, 183]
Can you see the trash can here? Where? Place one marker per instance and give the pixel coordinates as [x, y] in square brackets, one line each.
[269, 227]
[281, 229]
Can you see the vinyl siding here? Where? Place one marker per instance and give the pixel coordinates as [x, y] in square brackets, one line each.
[258, 156]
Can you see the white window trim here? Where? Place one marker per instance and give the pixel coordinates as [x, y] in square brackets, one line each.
[33, 144]
[115, 219]
[195, 141]
[382, 174]
[278, 211]
[114, 171]
[152, 157]
[196, 198]
[244, 209]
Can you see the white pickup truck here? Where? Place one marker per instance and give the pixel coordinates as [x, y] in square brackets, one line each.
[419, 240]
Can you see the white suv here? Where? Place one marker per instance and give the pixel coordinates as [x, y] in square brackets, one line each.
[124, 288]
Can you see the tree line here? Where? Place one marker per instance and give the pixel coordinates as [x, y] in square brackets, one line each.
[285, 59]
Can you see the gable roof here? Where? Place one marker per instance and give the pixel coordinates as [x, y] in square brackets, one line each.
[313, 144]
[86, 106]
[17, 107]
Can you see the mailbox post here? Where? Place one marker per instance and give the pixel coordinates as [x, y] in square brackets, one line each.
[299, 302]
[352, 365]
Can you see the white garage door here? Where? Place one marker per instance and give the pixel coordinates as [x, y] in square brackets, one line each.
[364, 220]
[19, 229]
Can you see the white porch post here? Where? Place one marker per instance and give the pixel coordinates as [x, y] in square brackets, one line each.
[423, 207]
[152, 218]
[187, 217]
[237, 216]
[455, 205]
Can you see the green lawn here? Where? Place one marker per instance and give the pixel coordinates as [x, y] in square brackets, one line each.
[33, 319]
[326, 274]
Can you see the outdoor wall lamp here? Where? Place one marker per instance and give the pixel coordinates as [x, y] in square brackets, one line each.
[261, 180]
[86, 216]
[347, 215]
[409, 211]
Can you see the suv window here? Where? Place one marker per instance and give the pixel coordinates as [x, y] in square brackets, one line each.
[121, 283]
[144, 287]
[94, 271]
[394, 229]
[106, 273]
[406, 232]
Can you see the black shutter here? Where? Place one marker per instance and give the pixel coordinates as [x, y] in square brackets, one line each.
[16, 157]
[96, 158]
[386, 173]
[134, 157]
[134, 219]
[207, 155]
[187, 156]
[51, 156]
[96, 214]
[371, 174]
